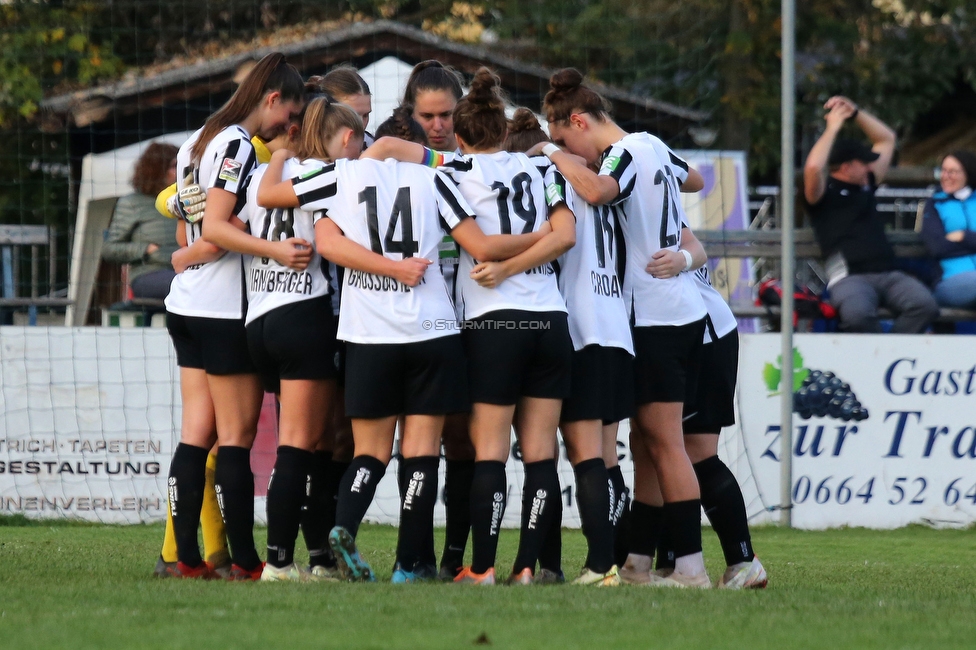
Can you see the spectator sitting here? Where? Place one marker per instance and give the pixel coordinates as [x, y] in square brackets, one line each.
[949, 231]
[139, 235]
[840, 178]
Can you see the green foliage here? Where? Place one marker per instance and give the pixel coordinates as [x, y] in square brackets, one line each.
[44, 45]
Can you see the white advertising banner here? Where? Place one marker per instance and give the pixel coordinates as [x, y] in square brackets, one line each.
[907, 455]
[88, 422]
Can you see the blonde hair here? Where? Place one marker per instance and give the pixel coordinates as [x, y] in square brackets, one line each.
[322, 118]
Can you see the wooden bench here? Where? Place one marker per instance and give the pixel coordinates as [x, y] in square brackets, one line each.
[769, 243]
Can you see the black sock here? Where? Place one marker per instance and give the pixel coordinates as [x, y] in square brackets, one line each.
[540, 489]
[426, 555]
[286, 494]
[356, 491]
[488, 496]
[457, 493]
[621, 493]
[313, 512]
[551, 555]
[187, 478]
[683, 519]
[725, 509]
[645, 528]
[596, 513]
[621, 515]
[234, 482]
[418, 494]
[665, 552]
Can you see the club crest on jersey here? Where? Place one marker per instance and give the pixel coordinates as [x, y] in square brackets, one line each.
[609, 164]
[554, 193]
[230, 170]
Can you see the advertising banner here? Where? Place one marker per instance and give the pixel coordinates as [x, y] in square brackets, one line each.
[884, 427]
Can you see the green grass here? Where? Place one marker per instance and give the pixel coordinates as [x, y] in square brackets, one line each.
[90, 586]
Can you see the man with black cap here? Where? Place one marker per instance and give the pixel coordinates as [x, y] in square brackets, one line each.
[839, 181]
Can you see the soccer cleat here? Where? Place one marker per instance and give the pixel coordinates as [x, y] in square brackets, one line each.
[663, 572]
[352, 566]
[290, 573]
[238, 574]
[448, 574]
[401, 576]
[200, 572]
[745, 575]
[682, 581]
[319, 573]
[163, 569]
[549, 577]
[589, 577]
[223, 571]
[523, 577]
[469, 577]
[636, 570]
[426, 572]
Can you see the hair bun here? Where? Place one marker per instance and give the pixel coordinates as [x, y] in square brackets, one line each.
[566, 80]
[485, 90]
[523, 120]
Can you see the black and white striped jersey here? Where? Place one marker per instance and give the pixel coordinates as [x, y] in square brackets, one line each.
[269, 284]
[650, 216]
[397, 210]
[591, 272]
[214, 289]
[507, 192]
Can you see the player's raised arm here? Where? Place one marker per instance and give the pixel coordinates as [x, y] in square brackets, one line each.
[339, 249]
[274, 192]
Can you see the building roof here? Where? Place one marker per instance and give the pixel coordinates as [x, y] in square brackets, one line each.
[152, 88]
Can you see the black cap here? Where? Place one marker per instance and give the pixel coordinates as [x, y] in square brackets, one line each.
[847, 150]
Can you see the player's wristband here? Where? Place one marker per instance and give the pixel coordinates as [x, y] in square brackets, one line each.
[550, 149]
[432, 158]
[687, 257]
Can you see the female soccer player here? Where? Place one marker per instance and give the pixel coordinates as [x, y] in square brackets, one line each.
[346, 85]
[205, 310]
[518, 342]
[602, 367]
[382, 221]
[431, 93]
[668, 314]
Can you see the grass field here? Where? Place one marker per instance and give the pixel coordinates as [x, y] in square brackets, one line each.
[83, 586]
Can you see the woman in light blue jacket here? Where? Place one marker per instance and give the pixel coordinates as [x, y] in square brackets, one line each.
[949, 231]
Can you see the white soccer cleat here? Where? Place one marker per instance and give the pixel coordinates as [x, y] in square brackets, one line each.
[290, 573]
[636, 570]
[589, 577]
[744, 575]
[324, 574]
[679, 580]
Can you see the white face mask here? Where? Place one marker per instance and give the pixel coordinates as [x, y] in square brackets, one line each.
[963, 194]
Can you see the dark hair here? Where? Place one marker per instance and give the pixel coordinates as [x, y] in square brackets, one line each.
[479, 118]
[149, 176]
[568, 95]
[968, 161]
[524, 131]
[322, 119]
[341, 81]
[402, 125]
[431, 75]
[271, 74]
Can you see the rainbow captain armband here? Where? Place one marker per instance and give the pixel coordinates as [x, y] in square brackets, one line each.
[432, 158]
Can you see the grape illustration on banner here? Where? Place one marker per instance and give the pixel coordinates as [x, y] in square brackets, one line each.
[816, 393]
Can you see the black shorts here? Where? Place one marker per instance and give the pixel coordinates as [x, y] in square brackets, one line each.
[714, 404]
[514, 353]
[602, 386]
[667, 361]
[294, 341]
[423, 378]
[215, 345]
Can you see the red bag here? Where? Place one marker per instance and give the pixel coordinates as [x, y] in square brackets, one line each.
[806, 303]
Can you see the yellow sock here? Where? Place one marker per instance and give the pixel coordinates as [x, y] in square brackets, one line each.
[214, 537]
[168, 552]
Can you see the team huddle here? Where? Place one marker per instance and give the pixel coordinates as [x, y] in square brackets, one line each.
[457, 276]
